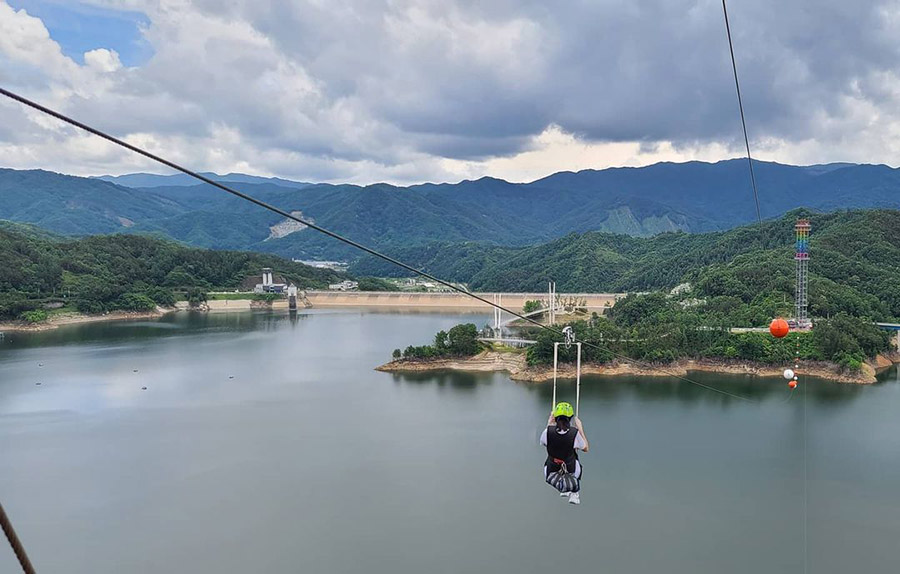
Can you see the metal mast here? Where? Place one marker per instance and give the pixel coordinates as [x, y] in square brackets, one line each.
[552, 303]
[802, 258]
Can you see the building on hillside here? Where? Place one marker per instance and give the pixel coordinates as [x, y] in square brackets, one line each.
[344, 286]
[333, 265]
[269, 283]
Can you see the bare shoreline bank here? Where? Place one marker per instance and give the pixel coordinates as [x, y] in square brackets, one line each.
[518, 369]
[366, 300]
[76, 318]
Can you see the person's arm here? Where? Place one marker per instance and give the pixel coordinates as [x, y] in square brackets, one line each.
[580, 428]
[551, 422]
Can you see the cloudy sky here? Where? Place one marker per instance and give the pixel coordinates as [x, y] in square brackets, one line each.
[441, 90]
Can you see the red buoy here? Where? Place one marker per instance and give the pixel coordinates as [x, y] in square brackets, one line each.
[792, 384]
[779, 328]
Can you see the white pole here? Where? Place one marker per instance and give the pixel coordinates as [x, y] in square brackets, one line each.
[500, 314]
[494, 311]
[555, 357]
[550, 302]
[578, 380]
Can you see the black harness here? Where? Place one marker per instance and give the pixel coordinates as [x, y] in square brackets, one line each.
[561, 449]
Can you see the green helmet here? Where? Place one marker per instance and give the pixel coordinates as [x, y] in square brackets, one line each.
[563, 410]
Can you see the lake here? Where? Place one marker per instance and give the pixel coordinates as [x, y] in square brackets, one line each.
[266, 444]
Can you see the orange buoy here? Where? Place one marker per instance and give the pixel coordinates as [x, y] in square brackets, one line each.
[779, 328]
[792, 384]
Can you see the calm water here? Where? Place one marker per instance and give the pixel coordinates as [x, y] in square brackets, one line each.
[307, 460]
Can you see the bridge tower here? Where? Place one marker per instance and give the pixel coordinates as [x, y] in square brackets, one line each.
[801, 302]
[551, 293]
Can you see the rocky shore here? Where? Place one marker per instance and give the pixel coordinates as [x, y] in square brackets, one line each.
[515, 364]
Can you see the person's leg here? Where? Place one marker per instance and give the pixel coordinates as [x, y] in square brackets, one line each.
[547, 479]
[575, 496]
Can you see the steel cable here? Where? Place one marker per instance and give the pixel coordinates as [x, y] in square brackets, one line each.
[336, 236]
[737, 86]
[15, 543]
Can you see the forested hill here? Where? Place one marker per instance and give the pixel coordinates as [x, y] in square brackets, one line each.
[693, 196]
[854, 267]
[131, 272]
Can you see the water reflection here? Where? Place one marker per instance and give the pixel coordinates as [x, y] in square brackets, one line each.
[751, 389]
[423, 470]
[665, 389]
[454, 379]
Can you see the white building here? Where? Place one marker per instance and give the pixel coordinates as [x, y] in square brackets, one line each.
[344, 286]
[268, 285]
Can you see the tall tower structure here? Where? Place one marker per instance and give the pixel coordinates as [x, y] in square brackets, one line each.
[802, 258]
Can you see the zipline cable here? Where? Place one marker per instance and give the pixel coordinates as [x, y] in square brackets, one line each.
[805, 481]
[15, 543]
[737, 87]
[338, 237]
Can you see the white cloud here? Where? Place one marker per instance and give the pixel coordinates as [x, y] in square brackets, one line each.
[413, 90]
[102, 60]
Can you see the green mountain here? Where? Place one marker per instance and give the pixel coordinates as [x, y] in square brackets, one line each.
[108, 272]
[640, 202]
[854, 266]
[76, 205]
[179, 179]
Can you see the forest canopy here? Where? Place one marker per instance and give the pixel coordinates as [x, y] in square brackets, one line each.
[124, 272]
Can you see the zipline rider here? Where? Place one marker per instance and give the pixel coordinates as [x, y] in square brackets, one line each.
[564, 437]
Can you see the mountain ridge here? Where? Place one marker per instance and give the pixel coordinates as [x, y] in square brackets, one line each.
[145, 179]
[639, 201]
[849, 270]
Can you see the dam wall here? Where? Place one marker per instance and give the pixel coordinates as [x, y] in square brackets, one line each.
[513, 301]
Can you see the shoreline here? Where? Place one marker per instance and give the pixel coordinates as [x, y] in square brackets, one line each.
[76, 318]
[515, 364]
[212, 306]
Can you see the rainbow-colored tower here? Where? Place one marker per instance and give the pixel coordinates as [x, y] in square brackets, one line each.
[802, 258]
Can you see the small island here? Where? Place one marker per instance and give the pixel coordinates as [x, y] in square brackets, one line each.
[656, 334]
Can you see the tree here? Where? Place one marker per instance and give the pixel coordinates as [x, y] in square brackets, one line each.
[845, 335]
[196, 297]
[161, 296]
[751, 346]
[13, 304]
[463, 340]
[35, 316]
[441, 342]
[376, 284]
[135, 302]
[531, 306]
[634, 309]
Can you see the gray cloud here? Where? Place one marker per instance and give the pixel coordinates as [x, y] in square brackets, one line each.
[385, 84]
[611, 71]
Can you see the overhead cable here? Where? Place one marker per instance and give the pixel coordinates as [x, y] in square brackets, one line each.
[15, 543]
[737, 87]
[336, 236]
